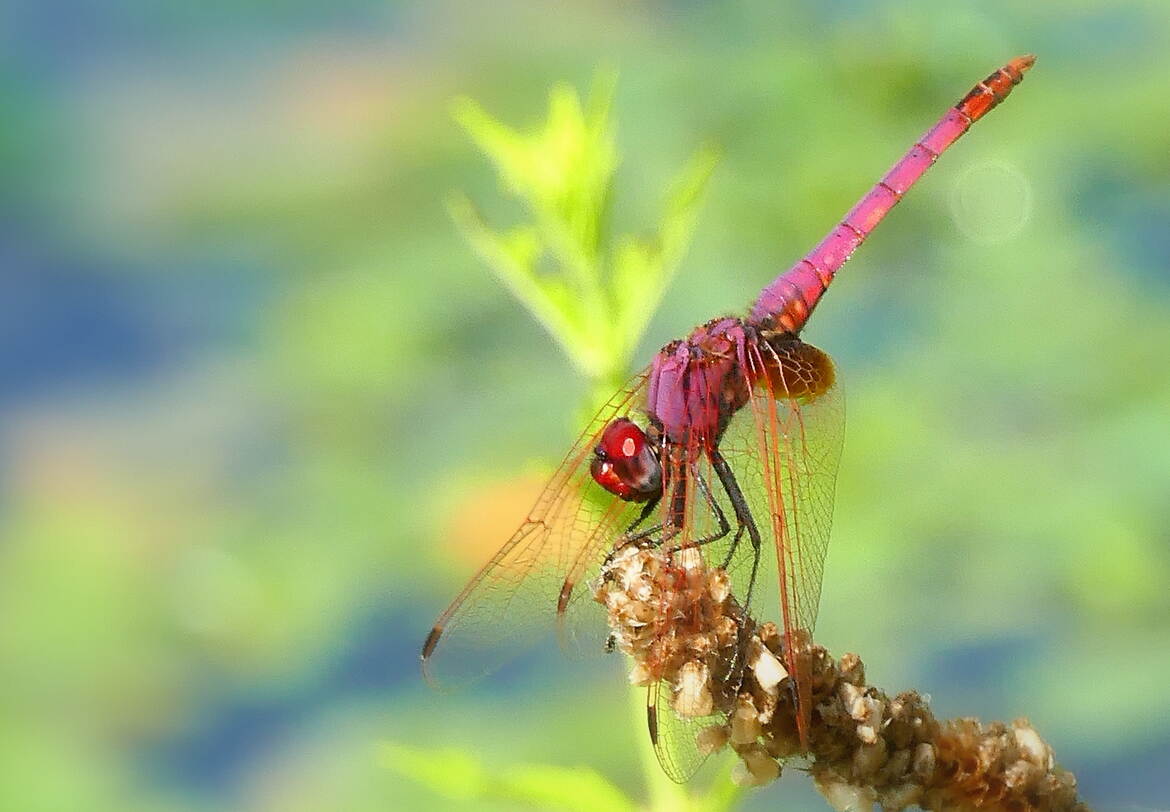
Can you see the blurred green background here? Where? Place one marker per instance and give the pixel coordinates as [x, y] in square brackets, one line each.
[262, 410]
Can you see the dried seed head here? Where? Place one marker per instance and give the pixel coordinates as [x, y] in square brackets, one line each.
[845, 797]
[1032, 747]
[923, 763]
[692, 697]
[712, 739]
[869, 758]
[763, 767]
[768, 670]
[745, 721]
[902, 796]
[852, 670]
[682, 626]
[641, 675]
[718, 585]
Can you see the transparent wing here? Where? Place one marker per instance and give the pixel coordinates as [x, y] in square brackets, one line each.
[698, 505]
[787, 460]
[538, 577]
[694, 504]
[675, 736]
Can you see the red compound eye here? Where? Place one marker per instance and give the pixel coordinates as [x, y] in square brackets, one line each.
[625, 464]
[622, 440]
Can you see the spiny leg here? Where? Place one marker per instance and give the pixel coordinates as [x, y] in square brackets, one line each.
[743, 515]
[716, 511]
[747, 522]
[734, 546]
[630, 537]
[670, 527]
[646, 511]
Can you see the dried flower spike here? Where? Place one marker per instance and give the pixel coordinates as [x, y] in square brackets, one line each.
[679, 622]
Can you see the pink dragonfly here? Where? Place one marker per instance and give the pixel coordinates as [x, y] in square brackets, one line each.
[727, 444]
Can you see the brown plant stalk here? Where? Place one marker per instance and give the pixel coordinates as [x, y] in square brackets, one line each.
[680, 622]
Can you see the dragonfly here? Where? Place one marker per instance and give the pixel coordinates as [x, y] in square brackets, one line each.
[725, 446]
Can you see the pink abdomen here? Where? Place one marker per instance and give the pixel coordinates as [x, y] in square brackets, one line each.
[786, 303]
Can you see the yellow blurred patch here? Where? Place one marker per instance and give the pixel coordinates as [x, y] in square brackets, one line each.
[488, 515]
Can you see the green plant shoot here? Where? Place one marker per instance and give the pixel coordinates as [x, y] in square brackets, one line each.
[593, 295]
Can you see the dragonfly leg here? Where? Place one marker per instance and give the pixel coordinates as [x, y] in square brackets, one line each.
[639, 538]
[646, 511]
[743, 515]
[630, 537]
[676, 519]
[716, 511]
[643, 538]
[747, 521]
[670, 527]
[734, 546]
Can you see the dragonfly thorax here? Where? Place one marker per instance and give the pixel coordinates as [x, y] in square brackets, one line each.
[625, 462]
[697, 384]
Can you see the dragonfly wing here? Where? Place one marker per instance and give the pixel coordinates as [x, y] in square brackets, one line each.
[784, 448]
[538, 578]
[675, 736]
[697, 507]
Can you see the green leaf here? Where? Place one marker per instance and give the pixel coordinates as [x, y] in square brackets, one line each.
[512, 257]
[594, 299]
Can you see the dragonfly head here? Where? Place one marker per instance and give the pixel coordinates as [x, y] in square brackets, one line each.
[625, 462]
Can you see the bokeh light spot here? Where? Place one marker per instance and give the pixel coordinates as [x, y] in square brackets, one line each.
[991, 202]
